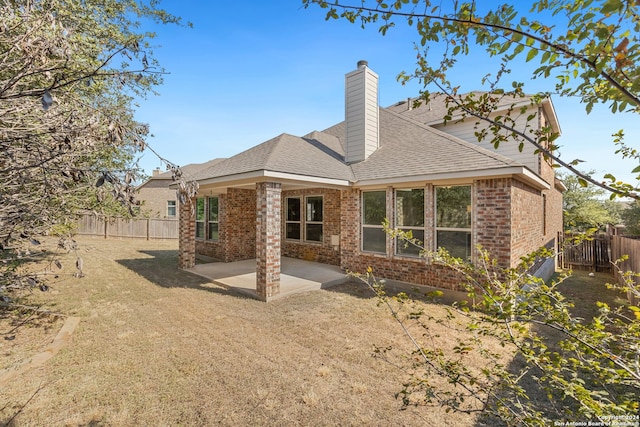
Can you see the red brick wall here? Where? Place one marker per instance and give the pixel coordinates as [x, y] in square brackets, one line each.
[240, 229]
[527, 217]
[312, 251]
[350, 229]
[507, 221]
[554, 214]
[554, 224]
[237, 233]
[491, 226]
[509, 218]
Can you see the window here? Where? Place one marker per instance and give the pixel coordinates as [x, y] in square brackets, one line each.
[200, 208]
[373, 214]
[410, 218]
[171, 208]
[544, 214]
[207, 220]
[212, 216]
[293, 219]
[313, 223]
[453, 220]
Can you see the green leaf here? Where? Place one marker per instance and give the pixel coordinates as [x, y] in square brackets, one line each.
[519, 48]
[545, 56]
[611, 6]
[532, 54]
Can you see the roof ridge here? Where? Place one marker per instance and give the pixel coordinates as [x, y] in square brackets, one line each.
[275, 143]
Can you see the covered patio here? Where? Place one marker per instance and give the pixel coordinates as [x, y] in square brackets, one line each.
[296, 276]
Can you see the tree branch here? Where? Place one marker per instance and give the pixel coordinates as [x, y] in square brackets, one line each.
[503, 29]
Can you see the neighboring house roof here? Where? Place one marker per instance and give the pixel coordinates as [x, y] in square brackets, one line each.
[409, 150]
[189, 171]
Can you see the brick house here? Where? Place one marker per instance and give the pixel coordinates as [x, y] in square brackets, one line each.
[323, 196]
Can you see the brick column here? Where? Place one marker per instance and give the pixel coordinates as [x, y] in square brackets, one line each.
[493, 218]
[268, 239]
[187, 235]
[349, 229]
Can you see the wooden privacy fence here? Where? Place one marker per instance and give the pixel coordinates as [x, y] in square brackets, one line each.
[627, 246]
[599, 253]
[593, 254]
[142, 228]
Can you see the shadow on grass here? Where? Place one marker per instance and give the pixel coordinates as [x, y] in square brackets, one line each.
[357, 288]
[162, 270]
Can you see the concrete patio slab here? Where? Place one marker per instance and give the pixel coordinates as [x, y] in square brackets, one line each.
[296, 275]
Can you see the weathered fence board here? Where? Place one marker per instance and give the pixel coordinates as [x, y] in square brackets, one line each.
[144, 228]
[593, 254]
[622, 245]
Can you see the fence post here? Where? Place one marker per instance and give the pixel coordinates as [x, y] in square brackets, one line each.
[560, 249]
[106, 227]
[148, 228]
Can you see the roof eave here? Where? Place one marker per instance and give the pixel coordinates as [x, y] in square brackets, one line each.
[547, 104]
[267, 175]
[521, 173]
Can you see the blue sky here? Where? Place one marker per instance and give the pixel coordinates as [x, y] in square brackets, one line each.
[249, 71]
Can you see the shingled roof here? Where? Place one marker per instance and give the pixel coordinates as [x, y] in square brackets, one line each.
[408, 149]
[411, 149]
[190, 170]
[315, 155]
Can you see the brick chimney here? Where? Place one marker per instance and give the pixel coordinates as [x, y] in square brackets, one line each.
[361, 113]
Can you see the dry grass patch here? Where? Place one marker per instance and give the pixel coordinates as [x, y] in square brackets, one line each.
[25, 332]
[159, 346]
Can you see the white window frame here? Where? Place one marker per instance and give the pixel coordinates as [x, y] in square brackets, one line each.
[399, 242]
[308, 221]
[174, 207]
[456, 229]
[364, 226]
[210, 221]
[202, 220]
[299, 222]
